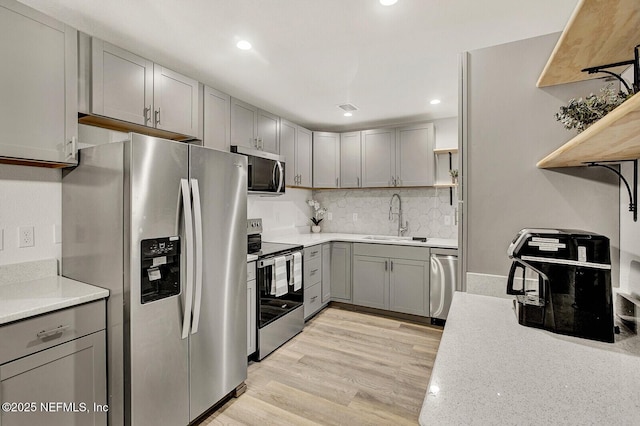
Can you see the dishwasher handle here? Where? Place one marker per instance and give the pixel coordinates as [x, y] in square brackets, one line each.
[443, 283]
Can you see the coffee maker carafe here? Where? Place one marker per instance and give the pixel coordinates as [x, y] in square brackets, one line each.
[570, 292]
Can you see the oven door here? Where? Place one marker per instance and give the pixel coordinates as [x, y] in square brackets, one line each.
[270, 307]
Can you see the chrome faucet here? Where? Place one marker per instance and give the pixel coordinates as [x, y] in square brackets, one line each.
[401, 229]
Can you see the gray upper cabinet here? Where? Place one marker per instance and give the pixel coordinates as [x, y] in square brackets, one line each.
[38, 83]
[254, 128]
[304, 157]
[378, 157]
[217, 119]
[122, 84]
[414, 155]
[128, 87]
[268, 132]
[295, 146]
[350, 154]
[326, 160]
[175, 101]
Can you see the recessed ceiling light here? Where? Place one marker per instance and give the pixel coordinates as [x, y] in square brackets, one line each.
[347, 114]
[244, 45]
[388, 2]
[435, 101]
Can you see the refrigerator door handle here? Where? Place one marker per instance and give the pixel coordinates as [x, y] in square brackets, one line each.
[188, 224]
[197, 215]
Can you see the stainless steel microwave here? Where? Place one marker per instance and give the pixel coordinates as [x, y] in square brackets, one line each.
[265, 171]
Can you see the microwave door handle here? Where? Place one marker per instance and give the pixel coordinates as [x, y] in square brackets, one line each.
[281, 175]
[188, 247]
[197, 216]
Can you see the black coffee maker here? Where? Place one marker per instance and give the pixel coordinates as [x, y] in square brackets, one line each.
[572, 291]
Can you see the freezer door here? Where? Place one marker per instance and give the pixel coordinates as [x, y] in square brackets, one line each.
[158, 355]
[218, 339]
[443, 281]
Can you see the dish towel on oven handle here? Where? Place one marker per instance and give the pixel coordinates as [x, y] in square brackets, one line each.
[279, 284]
[296, 271]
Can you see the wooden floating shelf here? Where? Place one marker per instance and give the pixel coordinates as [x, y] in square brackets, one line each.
[598, 33]
[614, 137]
[445, 185]
[445, 151]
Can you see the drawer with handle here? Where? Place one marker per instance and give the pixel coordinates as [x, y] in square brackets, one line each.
[313, 252]
[312, 300]
[312, 272]
[44, 331]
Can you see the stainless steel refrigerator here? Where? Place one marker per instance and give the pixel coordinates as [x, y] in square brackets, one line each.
[162, 225]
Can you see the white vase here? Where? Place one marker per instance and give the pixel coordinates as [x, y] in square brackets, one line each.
[315, 228]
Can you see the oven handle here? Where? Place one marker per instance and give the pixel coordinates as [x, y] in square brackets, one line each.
[272, 260]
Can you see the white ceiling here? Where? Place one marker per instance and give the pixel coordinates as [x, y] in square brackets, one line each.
[309, 56]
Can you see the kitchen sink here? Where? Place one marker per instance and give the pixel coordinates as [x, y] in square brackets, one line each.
[386, 238]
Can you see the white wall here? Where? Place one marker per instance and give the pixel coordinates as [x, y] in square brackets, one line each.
[29, 196]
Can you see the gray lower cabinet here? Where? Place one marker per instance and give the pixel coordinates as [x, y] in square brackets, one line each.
[252, 298]
[394, 278]
[326, 273]
[341, 272]
[312, 279]
[38, 87]
[55, 359]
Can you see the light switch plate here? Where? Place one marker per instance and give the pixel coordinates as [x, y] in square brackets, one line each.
[355, 217]
[329, 216]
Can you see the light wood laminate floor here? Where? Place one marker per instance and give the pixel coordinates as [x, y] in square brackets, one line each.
[345, 368]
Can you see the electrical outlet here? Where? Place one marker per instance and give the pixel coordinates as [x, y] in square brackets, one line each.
[355, 217]
[447, 220]
[329, 216]
[25, 236]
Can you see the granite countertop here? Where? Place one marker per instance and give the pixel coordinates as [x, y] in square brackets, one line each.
[322, 237]
[20, 300]
[251, 257]
[491, 370]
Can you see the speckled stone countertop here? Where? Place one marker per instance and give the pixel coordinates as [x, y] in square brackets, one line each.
[491, 370]
[321, 237]
[32, 288]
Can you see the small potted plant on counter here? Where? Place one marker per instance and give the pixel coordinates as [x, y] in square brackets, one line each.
[454, 176]
[317, 215]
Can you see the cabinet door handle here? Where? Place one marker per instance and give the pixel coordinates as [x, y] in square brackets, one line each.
[337, 184]
[391, 265]
[147, 114]
[313, 299]
[358, 182]
[313, 253]
[157, 114]
[73, 148]
[57, 331]
[385, 265]
[398, 181]
[313, 272]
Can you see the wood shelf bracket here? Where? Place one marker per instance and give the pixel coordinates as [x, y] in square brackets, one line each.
[633, 193]
[636, 71]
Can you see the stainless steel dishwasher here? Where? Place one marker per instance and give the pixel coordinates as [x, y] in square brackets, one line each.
[443, 282]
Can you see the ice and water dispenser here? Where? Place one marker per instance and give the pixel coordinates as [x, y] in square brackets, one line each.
[160, 268]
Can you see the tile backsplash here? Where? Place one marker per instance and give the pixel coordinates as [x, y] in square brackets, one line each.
[427, 210]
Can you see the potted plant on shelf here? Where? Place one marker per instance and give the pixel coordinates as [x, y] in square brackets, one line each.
[582, 113]
[454, 176]
[317, 215]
